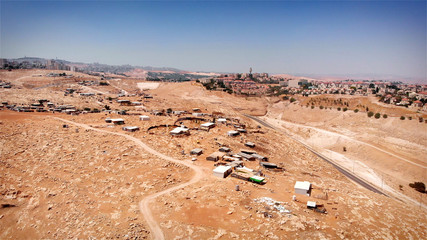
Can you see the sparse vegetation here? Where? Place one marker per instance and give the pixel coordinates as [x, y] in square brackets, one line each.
[409, 118]
[339, 109]
[402, 117]
[321, 107]
[356, 110]
[377, 115]
[370, 114]
[312, 107]
[419, 186]
[385, 116]
[420, 119]
[344, 109]
[292, 100]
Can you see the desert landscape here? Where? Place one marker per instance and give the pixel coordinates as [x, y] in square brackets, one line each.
[118, 158]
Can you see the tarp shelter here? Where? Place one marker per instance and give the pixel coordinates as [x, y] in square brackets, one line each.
[222, 171]
[302, 188]
[257, 179]
[144, 118]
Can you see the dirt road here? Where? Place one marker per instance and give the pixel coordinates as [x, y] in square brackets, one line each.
[156, 231]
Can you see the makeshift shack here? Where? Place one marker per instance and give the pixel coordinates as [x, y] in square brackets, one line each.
[215, 156]
[250, 144]
[196, 151]
[131, 128]
[233, 133]
[118, 121]
[144, 118]
[207, 126]
[180, 131]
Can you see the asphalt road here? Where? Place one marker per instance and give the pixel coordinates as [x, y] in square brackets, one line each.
[346, 173]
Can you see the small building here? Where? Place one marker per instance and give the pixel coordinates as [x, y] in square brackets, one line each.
[222, 171]
[311, 204]
[260, 157]
[124, 102]
[118, 121]
[197, 114]
[180, 131]
[250, 144]
[136, 103]
[207, 126]
[221, 120]
[144, 118]
[224, 149]
[108, 120]
[233, 133]
[196, 151]
[302, 188]
[131, 129]
[242, 130]
[268, 165]
[246, 156]
[215, 156]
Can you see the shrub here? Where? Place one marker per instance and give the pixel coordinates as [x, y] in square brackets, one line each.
[420, 119]
[345, 109]
[419, 186]
[370, 114]
[339, 109]
[107, 107]
[312, 107]
[367, 109]
[402, 117]
[385, 116]
[292, 100]
[410, 118]
[87, 109]
[377, 115]
[321, 107]
[356, 110]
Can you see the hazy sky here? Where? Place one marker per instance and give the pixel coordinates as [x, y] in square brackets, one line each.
[312, 37]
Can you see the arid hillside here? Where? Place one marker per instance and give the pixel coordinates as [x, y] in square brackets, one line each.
[83, 176]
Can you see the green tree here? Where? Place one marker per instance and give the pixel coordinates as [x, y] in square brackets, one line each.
[385, 116]
[370, 114]
[377, 115]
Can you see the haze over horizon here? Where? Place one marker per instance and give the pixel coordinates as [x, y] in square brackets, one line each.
[329, 38]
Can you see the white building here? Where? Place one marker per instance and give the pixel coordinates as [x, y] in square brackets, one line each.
[144, 118]
[222, 171]
[302, 188]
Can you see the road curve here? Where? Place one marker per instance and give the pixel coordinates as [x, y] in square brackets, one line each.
[346, 173]
[156, 231]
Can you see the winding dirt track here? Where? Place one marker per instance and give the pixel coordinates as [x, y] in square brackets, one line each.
[156, 231]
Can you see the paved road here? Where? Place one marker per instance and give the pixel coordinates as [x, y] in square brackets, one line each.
[156, 231]
[346, 173]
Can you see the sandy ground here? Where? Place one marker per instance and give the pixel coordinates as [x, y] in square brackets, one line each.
[77, 182]
[148, 85]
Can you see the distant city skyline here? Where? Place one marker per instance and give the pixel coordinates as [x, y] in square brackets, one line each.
[307, 37]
